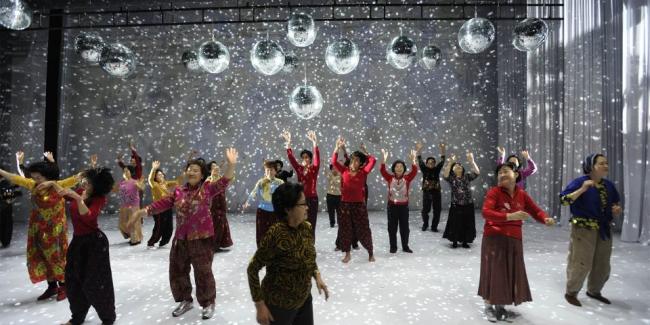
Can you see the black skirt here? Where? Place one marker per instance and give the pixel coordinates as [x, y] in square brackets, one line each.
[461, 226]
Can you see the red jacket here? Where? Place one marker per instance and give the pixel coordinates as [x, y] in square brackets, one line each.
[398, 188]
[353, 186]
[309, 175]
[498, 203]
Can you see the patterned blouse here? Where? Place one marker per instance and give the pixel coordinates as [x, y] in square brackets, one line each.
[460, 191]
[289, 256]
[129, 194]
[192, 204]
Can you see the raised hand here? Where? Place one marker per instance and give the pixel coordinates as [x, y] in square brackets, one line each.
[49, 156]
[155, 165]
[501, 150]
[442, 147]
[384, 154]
[131, 145]
[231, 156]
[119, 157]
[311, 135]
[20, 156]
[525, 154]
[412, 155]
[93, 160]
[287, 137]
[470, 156]
[340, 143]
[452, 158]
[418, 146]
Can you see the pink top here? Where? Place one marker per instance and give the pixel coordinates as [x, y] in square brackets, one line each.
[129, 195]
[192, 204]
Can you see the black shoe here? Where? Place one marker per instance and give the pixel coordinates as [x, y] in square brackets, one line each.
[434, 229]
[393, 250]
[331, 225]
[133, 244]
[454, 245]
[599, 297]
[355, 247]
[407, 250]
[50, 292]
[424, 227]
[465, 245]
[572, 299]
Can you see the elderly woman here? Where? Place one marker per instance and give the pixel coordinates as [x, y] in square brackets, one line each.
[289, 255]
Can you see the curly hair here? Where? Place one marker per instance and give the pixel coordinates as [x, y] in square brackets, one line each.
[101, 180]
[47, 169]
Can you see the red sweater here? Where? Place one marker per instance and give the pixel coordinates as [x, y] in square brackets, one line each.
[498, 203]
[353, 186]
[87, 223]
[306, 175]
[398, 188]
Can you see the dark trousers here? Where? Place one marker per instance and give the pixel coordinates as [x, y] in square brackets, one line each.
[398, 217]
[197, 254]
[263, 221]
[88, 278]
[6, 224]
[333, 204]
[431, 199]
[312, 213]
[301, 316]
[162, 229]
[354, 225]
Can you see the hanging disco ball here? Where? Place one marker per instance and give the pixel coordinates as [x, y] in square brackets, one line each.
[267, 57]
[401, 52]
[15, 14]
[191, 61]
[342, 56]
[430, 57]
[301, 30]
[476, 35]
[290, 63]
[306, 102]
[89, 46]
[213, 57]
[118, 61]
[529, 34]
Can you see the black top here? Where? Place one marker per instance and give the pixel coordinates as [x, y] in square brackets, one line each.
[431, 176]
[8, 192]
[283, 175]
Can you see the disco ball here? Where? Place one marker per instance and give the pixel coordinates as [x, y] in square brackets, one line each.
[267, 57]
[301, 30]
[15, 14]
[401, 52]
[89, 46]
[213, 57]
[529, 34]
[306, 102]
[342, 56]
[118, 60]
[430, 57]
[476, 35]
[290, 63]
[191, 60]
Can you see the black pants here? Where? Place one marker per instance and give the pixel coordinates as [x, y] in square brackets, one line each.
[88, 278]
[398, 217]
[431, 199]
[301, 316]
[6, 224]
[333, 204]
[162, 229]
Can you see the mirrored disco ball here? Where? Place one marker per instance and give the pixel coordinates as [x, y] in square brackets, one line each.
[342, 56]
[267, 57]
[213, 57]
[476, 35]
[15, 14]
[89, 46]
[191, 60]
[529, 34]
[301, 29]
[431, 56]
[306, 102]
[290, 63]
[118, 60]
[401, 52]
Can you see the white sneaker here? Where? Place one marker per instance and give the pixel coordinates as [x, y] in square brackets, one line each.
[182, 308]
[207, 312]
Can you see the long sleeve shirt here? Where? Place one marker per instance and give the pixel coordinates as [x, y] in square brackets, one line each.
[289, 256]
[160, 190]
[284, 175]
[498, 204]
[353, 186]
[84, 224]
[530, 169]
[138, 164]
[431, 176]
[129, 193]
[333, 184]
[595, 204]
[461, 194]
[398, 188]
[263, 191]
[307, 175]
[192, 204]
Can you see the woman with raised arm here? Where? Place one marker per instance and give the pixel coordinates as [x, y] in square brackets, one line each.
[218, 210]
[129, 190]
[525, 172]
[163, 227]
[431, 191]
[264, 188]
[461, 226]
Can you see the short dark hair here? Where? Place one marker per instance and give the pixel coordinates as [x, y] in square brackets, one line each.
[202, 166]
[516, 157]
[461, 166]
[270, 164]
[212, 162]
[392, 168]
[101, 180]
[156, 173]
[285, 197]
[47, 169]
[279, 164]
[511, 166]
[431, 158]
[331, 166]
[305, 151]
[362, 157]
[131, 170]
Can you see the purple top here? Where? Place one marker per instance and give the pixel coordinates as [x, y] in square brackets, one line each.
[129, 195]
[192, 204]
[530, 169]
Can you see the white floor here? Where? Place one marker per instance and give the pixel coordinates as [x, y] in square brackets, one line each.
[436, 284]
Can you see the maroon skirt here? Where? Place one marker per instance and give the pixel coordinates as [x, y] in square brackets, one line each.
[222, 238]
[263, 221]
[503, 278]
